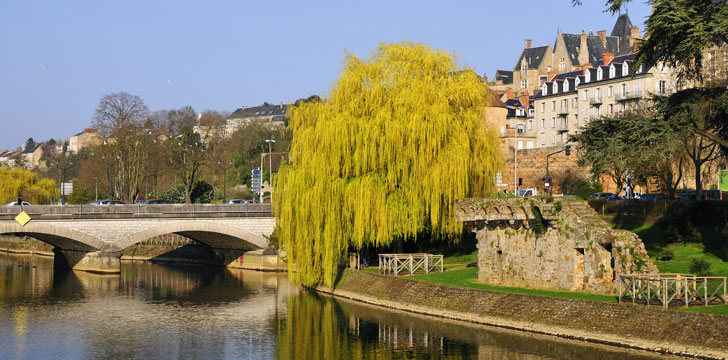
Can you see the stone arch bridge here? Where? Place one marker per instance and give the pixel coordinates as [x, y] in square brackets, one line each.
[91, 238]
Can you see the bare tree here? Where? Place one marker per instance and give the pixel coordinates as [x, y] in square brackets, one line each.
[121, 117]
[185, 150]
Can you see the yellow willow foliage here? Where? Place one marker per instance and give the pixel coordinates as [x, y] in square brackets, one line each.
[400, 138]
[17, 181]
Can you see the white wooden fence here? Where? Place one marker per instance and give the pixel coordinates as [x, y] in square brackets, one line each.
[676, 289]
[396, 264]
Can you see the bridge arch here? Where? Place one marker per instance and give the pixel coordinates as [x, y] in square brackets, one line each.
[56, 235]
[216, 235]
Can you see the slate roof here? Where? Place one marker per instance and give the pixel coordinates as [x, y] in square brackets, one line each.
[534, 56]
[33, 149]
[495, 101]
[568, 75]
[622, 30]
[505, 75]
[256, 111]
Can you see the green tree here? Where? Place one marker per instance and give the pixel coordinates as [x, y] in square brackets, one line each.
[605, 149]
[400, 138]
[81, 194]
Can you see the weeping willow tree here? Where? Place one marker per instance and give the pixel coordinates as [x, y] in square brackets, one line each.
[20, 182]
[401, 136]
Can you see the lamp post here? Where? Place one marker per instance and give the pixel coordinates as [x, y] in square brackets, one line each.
[110, 164]
[224, 178]
[63, 177]
[270, 167]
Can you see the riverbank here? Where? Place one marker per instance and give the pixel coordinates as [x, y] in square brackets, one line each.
[638, 327]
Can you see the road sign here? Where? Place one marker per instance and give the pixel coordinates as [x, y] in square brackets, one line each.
[66, 188]
[255, 181]
[653, 185]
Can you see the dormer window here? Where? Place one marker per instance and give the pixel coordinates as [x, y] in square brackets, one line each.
[599, 74]
[587, 76]
[566, 86]
[640, 70]
[524, 66]
[556, 87]
[612, 71]
[577, 81]
[625, 69]
[544, 90]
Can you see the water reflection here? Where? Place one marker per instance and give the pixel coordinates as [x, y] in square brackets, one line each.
[153, 311]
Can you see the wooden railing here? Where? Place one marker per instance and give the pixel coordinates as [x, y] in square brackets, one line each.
[676, 289]
[136, 210]
[396, 264]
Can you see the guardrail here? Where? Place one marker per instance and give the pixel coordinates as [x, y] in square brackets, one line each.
[138, 210]
[678, 289]
[409, 263]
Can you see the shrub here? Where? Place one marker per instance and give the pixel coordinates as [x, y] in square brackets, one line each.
[700, 267]
[666, 255]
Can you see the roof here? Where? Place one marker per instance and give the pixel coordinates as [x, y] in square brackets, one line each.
[622, 30]
[505, 75]
[567, 75]
[534, 57]
[32, 150]
[495, 101]
[263, 110]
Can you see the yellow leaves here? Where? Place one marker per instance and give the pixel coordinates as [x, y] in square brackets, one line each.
[400, 138]
[17, 181]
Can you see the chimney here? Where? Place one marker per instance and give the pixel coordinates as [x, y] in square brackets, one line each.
[281, 105]
[634, 36]
[509, 94]
[524, 98]
[603, 37]
[551, 75]
[583, 54]
[607, 58]
[528, 44]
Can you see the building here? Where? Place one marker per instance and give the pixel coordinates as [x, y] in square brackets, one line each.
[7, 158]
[270, 115]
[33, 155]
[86, 138]
[569, 53]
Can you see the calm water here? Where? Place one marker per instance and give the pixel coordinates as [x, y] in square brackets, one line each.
[161, 312]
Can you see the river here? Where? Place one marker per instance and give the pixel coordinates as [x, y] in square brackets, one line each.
[163, 312]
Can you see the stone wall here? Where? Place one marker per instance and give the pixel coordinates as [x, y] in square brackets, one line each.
[575, 251]
[532, 168]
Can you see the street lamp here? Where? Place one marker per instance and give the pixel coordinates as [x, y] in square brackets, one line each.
[224, 178]
[63, 177]
[110, 164]
[270, 167]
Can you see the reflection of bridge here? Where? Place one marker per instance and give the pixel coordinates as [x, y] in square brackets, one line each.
[92, 237]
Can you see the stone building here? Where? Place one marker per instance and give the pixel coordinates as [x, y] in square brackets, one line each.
[86, 138]
[549, 243]
[270, 115]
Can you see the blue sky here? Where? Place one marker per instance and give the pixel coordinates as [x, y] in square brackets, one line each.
[57, 58]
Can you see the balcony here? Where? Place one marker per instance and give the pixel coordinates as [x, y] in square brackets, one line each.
[596, 100]
[562, 129]
[634, 94]
[562, 111]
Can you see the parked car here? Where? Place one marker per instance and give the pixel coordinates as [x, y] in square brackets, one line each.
[616, 198]
[15, 203]
[600, 195]
[140, 202]
[652, 197]
[158, 201]
[241, 201]
[527, 192]
[108, 202]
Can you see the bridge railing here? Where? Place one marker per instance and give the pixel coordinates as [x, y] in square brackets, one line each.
[139, 209]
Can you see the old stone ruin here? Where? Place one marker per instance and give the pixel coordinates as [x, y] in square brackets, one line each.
[550, 243]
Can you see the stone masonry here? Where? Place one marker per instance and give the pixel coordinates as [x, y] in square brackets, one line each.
[574, 251]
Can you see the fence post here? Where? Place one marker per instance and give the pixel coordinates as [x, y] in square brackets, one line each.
[705, 290]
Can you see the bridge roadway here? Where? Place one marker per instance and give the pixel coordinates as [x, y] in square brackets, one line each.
[92, 237]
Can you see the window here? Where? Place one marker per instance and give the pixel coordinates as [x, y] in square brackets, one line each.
[576, 117]
[553, 122]
[530, 124]
[524, 66]
[573, 103]
[611, 109]
[598, 93]
[544, 89]
[562, 64]
[520, 145]
[612, 71]
[587, 76]
[585, 95]
[625, 89]
[599, 74]
[529, 145]
[524, 84]
[543, 107]
[662, 87]
[566, 85]
[503, 131]
[553, 138]
[543, 123]
[610, 92]
[637, 88]
[543, 141]
[556, 87]
[553, 105]
[625, 69]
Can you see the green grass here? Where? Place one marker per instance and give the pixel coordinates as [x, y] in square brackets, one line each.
[467, 278]
[713, 309]
[465, 259]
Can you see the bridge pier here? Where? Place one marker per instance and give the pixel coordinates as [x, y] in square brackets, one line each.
[91, 261]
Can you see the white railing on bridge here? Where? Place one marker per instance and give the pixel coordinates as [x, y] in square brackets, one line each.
[138, 209]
